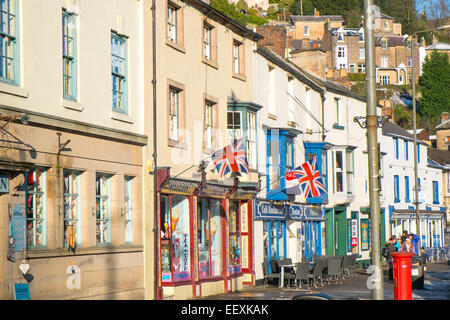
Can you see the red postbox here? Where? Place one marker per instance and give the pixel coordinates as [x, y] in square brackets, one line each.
[402, 275]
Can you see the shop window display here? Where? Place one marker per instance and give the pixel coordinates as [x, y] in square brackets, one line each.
[175, 239]
[36, 207]
[209, 238]
[235, 238]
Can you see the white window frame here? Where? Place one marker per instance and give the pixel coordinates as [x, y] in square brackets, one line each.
[306, 30]
[233, 132]
[103, 213]
[72, 198]
[251, 140]
[172, 22]
[362, 53]
[39, 218]
[128, 209]
[208, 125]
[384, 61]
[207, 41]
[174, 114]
[339, 170]
[236, 57]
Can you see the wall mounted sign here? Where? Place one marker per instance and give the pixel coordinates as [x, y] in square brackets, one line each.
[22, 291]
[4, 184]
[18, 226]
[266, 210]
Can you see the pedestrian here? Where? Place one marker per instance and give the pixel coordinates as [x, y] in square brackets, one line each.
[424, 256]
[407, 246]
[397, 244]
[404, 235]
[390, 246]
[414, 242]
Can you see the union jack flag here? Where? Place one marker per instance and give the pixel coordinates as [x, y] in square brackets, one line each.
[308, 178]
[231, 158]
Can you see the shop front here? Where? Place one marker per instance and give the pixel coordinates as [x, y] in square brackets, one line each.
[206, 238]
[430, 223]
[289, 230]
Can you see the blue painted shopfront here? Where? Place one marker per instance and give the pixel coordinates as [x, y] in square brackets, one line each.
[277, 216]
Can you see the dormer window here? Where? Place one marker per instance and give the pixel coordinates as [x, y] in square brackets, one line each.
[340, 36]
[384, 44]
[386, 24]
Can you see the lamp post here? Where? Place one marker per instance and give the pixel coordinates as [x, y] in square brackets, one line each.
[416, 180]
[377, 285]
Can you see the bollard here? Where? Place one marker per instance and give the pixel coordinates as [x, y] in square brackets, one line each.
[402, 275]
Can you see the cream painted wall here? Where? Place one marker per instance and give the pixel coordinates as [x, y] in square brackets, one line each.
[41, 77]
[185, 66]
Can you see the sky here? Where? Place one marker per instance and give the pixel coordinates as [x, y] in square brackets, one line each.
[429, 5]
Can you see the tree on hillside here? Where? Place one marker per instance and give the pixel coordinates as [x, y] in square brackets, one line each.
[435, 87]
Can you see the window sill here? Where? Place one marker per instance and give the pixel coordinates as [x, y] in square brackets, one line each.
[177, 144]
[13, 90]
[105, 248]
[72, 105]
[121, 117]
[271, 116]
[291, 124]
[339, 127]
[176, 46]
[211, 63]
[239, 77]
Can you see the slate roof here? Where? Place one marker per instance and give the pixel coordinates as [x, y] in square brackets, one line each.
[443, 126]
[439, 46]
[316, 18]
[442, 157]
[394, 130]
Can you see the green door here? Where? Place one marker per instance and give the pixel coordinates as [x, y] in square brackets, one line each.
[329, 232]
[382, 228]
[340, 240]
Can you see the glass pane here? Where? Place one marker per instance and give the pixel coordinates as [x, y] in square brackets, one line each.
[216, 238]
[180, 238]
[280, 239]
[338, 181]
[203, 239]
[339, 160]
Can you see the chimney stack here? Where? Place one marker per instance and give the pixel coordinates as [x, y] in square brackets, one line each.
[316, 13]
[435, 40]
[444, 116]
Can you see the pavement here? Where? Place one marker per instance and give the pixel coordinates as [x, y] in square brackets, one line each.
[436, 287]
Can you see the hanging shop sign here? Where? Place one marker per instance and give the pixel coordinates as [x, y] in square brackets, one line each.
[176, 186]
[297, 212]
[214, 191]
[314, 213]
[243, 194]
[306, 212]
[265, 210]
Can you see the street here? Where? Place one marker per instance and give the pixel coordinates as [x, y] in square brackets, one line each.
[436, 287]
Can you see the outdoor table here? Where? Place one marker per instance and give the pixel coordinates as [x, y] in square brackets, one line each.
[282, 273]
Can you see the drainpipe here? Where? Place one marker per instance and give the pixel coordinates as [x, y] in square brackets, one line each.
[322, 95]
[155, 157]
